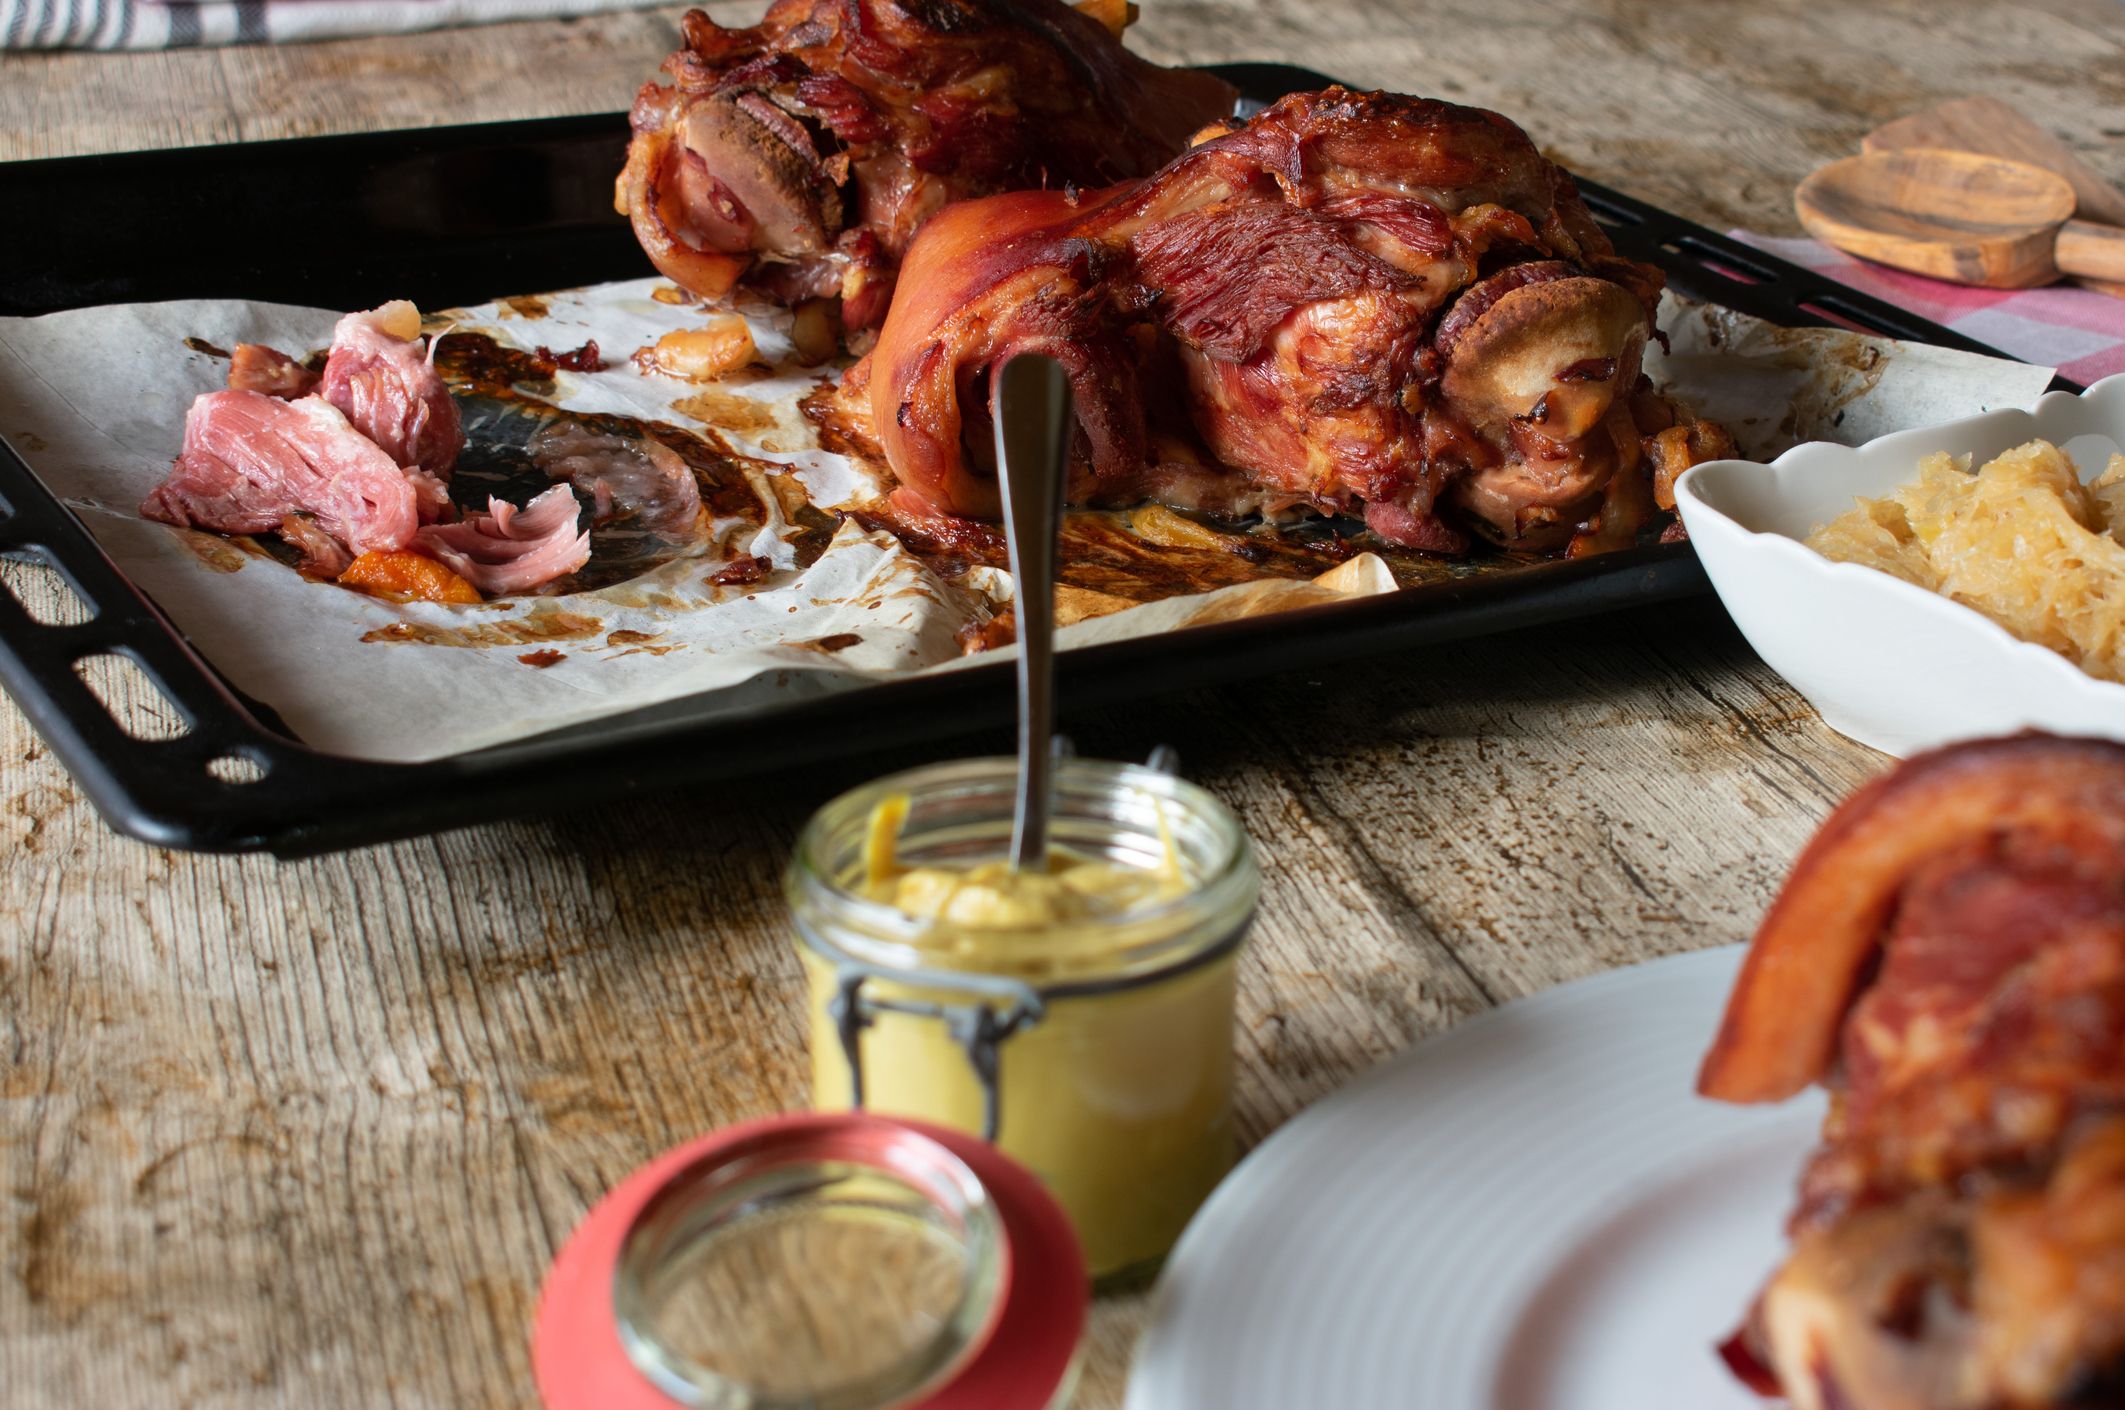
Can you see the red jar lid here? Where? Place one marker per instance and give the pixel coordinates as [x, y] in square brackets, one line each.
[673, 1285]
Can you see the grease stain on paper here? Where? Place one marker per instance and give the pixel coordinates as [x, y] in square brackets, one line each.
[827, 645]
[727, 411]
[224, 553]
[535, 626]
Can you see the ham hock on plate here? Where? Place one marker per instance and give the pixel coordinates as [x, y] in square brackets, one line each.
[1948, 959]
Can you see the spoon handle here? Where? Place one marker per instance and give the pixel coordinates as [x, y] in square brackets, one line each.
[1033, 427]
[2090, 250]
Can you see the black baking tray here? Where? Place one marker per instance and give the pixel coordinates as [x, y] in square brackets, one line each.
[461, 214]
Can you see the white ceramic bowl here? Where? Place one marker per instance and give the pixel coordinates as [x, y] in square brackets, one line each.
[1887, 663]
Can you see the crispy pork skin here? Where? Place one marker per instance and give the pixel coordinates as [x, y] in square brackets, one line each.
[799, 155]
[250, 461]
[1948, 958]
[1357, 303]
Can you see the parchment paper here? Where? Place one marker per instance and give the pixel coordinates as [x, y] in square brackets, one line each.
[94, 400]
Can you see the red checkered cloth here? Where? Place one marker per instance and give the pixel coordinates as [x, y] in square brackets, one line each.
[2076, 330]
[185, 24]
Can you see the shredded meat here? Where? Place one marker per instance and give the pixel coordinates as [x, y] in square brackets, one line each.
[251, 460]
[358, 467]
[356, 471]
[1356, 303]
[1948, 958]
[800, 155]
[386, 383]
[507, 549]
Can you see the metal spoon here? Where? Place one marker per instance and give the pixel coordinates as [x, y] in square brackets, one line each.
[1031, 410]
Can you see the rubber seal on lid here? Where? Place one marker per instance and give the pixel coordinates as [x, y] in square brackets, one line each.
[602, 1341]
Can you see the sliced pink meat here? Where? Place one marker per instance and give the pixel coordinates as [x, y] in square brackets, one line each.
[508, 549]
[431, 497]
[390, 390]
[251, 460]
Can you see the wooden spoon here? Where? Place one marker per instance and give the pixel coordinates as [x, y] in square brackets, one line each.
[1960, 216]
[1996, 129]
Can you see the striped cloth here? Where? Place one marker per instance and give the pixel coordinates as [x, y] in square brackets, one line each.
[2076, 330]
[181, 24]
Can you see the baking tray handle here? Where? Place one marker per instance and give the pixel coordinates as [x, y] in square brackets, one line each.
[221, 751]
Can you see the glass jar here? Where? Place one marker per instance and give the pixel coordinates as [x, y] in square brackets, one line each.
[817, 1262]
[1098, 1053]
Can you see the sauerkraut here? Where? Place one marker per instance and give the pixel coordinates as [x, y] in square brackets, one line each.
[2021, 540]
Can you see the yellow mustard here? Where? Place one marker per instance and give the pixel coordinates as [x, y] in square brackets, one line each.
[1118, 1094]
[972, 910]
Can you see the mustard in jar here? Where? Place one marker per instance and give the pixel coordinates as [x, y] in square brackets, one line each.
[1081, 1016]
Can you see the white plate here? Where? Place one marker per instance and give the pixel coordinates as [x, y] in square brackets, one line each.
[1887, 663]
[1531, 1212]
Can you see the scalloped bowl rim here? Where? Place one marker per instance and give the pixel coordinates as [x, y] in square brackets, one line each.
[1725, 504]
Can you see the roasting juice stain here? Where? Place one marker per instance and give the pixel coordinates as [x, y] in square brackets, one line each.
[827, 645]
[500, 391]
[201, 345]
[544, 657]
[224, 553]
[525, 306]
[727, 411]
[516, 631]
[630, 643]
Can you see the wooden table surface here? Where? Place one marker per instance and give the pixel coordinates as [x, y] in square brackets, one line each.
[308, 1133]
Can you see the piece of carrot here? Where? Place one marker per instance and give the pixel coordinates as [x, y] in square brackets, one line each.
[402, 576]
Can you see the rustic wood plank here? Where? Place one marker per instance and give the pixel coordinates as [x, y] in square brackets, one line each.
[308, 1133]
[61, 104]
